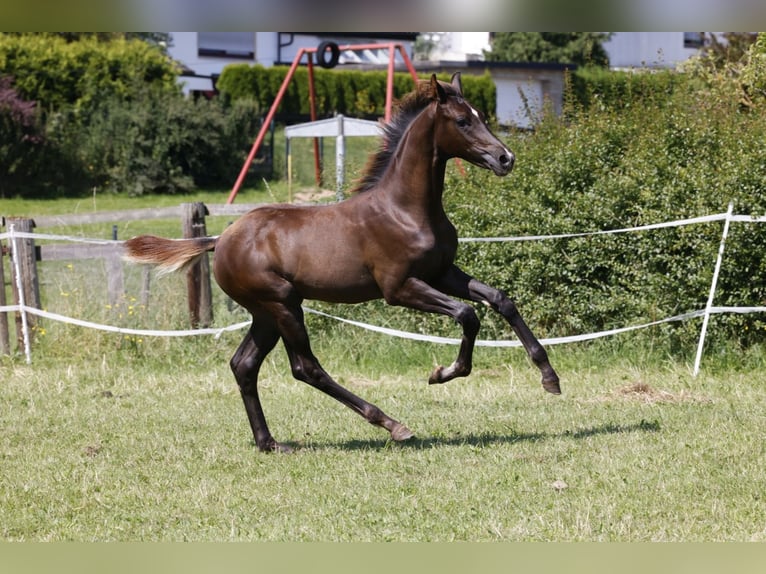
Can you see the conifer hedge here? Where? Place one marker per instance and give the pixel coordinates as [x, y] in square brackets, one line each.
[351, 93]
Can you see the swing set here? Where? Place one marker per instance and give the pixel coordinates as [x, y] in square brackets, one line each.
[327, 55]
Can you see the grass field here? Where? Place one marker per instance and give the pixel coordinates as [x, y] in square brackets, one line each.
[107, 437]
[119, 445]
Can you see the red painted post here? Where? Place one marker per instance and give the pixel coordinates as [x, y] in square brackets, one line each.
[265, 126]
[313, 109]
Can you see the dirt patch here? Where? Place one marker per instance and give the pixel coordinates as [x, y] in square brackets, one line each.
[312, 195]
[644, 392]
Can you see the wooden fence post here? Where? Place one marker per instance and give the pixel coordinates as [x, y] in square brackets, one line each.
[198, 277]
[5, 340]
[23, 251]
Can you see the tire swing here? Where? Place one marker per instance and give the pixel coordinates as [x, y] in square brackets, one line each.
[322, 55]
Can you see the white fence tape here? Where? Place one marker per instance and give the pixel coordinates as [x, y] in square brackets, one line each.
[217, 332]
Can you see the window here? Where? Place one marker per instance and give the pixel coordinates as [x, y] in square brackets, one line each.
[694, 39]
[226, 44]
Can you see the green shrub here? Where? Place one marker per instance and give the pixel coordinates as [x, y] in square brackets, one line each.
[158, 142]
[593, 86]
[607, 168]
[56, 73]
[351, 93]
[662, 157]
[754, 72]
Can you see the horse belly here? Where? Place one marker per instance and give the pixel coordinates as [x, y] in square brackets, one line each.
[335, 276]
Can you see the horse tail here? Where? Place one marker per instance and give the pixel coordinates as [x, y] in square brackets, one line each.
[168, 255]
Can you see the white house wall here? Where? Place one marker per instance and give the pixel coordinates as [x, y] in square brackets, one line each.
[647, 49]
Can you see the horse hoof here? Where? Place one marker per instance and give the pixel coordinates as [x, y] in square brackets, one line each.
[436, 376]
[401, 433]
[275, 446]
[552, 386]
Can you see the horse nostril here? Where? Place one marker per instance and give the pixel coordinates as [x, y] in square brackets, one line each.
[506, 160]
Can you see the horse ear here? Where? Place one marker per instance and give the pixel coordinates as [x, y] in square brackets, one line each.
[457, 84]
[437, 92]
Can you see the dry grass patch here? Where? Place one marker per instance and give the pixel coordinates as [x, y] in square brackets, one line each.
[646, 393]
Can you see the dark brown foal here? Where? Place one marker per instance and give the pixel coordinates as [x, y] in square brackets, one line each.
[390, 239]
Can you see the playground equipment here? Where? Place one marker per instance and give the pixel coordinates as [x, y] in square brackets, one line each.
[327, 54]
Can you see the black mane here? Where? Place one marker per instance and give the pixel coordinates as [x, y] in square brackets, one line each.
[407, 109]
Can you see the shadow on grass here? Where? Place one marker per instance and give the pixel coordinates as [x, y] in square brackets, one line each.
[482, 440]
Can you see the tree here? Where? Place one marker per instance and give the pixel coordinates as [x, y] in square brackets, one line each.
[580, 48]
[727, 48]
[21, 136]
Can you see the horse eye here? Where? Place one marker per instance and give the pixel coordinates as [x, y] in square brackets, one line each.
[462, 122]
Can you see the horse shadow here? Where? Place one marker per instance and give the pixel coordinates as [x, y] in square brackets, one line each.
[479, 440]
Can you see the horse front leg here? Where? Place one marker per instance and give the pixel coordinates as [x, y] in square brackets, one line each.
[419, 295]
[458, 283]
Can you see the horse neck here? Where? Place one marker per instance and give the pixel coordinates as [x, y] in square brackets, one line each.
[416, 179]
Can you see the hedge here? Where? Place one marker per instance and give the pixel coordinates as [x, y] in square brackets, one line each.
[599, 87]
[352, 93]
[54, 73]
[654, 158]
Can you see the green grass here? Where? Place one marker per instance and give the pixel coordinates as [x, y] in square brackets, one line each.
[115, 438]
[117, 444]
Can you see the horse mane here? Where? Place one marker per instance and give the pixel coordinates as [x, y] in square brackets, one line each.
[405, 111]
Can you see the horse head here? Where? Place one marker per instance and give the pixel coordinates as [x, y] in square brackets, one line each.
[461, 130]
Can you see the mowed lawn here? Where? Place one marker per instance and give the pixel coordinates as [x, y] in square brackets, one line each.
[121, 438]
[120, 445]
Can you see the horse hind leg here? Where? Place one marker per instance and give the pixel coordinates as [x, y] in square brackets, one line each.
[246, 364]
[306, 368]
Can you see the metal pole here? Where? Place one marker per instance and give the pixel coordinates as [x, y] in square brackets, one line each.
[313, 110]
[390, 83]
[340, 153]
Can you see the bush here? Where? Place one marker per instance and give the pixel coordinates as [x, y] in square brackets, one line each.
[608, 168]
[593, 86]
[656, 158]
[352, 93]
[158, 142]
[56, 73]
[20, 135]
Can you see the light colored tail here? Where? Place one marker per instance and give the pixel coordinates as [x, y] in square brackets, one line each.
[168, 255]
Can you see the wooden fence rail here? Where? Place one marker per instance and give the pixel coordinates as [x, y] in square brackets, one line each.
[193, 224]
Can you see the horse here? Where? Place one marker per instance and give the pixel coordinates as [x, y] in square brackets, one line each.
[390, 239]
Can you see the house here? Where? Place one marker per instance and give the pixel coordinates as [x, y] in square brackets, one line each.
[631, 50]
[203, 55]
[522, 88]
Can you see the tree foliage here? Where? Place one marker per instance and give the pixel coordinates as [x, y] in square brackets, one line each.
[580, 48]
[55, 71]
[20, 134]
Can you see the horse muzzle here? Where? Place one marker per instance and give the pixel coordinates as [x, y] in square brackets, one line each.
[499, 161]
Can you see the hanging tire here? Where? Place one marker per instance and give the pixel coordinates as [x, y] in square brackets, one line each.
[328, 60]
